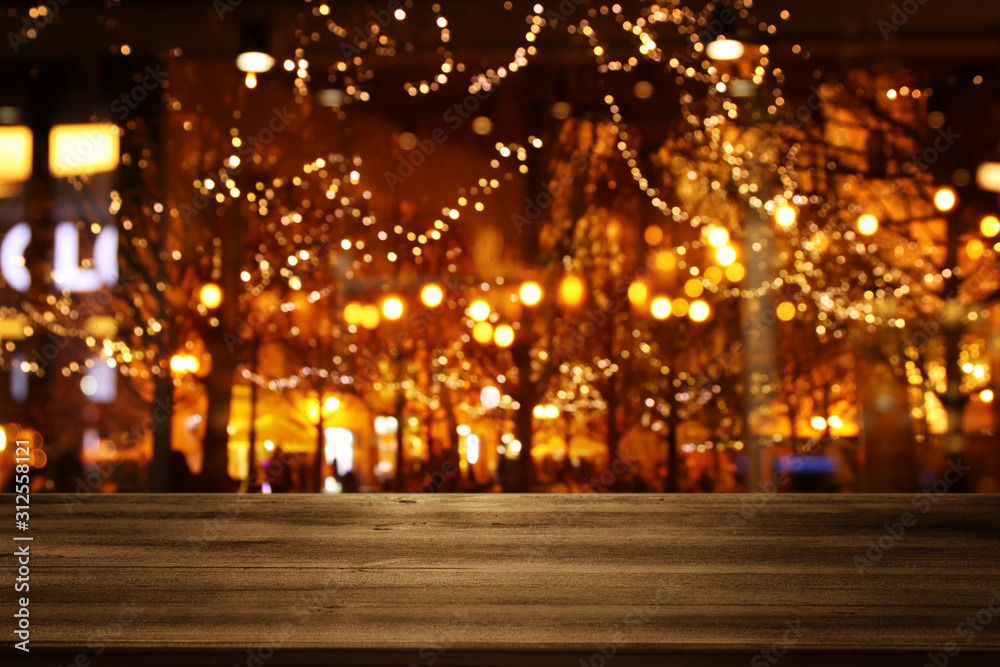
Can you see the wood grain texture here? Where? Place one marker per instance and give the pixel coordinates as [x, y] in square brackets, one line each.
[505, 580]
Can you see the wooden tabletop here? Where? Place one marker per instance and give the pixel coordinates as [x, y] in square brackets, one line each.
[508, 580]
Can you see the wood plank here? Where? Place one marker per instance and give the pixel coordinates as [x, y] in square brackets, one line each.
[507, 579]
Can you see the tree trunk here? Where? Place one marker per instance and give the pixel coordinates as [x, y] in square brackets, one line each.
[400, 404]
[219, 386]
[612, 406]
[163, 412]
[673, 422]
[524, 428]
[320, 453]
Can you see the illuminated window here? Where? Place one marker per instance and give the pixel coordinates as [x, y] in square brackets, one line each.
[15, 154]
[77, 150]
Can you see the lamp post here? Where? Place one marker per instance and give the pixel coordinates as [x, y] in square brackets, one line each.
[733, 51]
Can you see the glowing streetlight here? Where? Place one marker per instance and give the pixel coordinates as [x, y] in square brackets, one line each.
[479, 310]
[482, 332]
[431, 295]
[637, 294]
[660, 308]
[545, 411]
[868, 224]
[990, 226]
[353, 312]
[699, 311]
[718, 237]
[725, 49]
[503, 336]
[944, 199]
[818, 423]
[786, 311]
[489, 397]
[785, 216]
[571, 291]
[392, 308]
[725, 255]
[254, 62]
[210, 295]
[184, 363]
[530, 293]
[369, 316]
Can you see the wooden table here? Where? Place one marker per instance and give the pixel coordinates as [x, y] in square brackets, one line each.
[508, 580]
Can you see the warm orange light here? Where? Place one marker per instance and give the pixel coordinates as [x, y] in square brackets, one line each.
[482, 332]
[679, 307]
[986, 395]
[653, 235]
[660, 308]
[785, 216]
[77, 150]
[786, 311]
[210, 295]
[868, 224]
[664, 260]
[392, 308]
[571, 291]
[503, 336]
[725, 255]
[818, 423]
[353, 313]
[990, 226]
[693, 288]
[431, 295]
[479, 310]
[637, 294]
[369, 317]
[735, 272]
[178, 363]
[183, 363]
[944, 199]
[725, 49]
[699, 311]
[531, 293]
[975, 249]
[717, 237]
[15, 154]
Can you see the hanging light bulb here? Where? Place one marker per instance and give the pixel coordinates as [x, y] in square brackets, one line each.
[254, 56]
